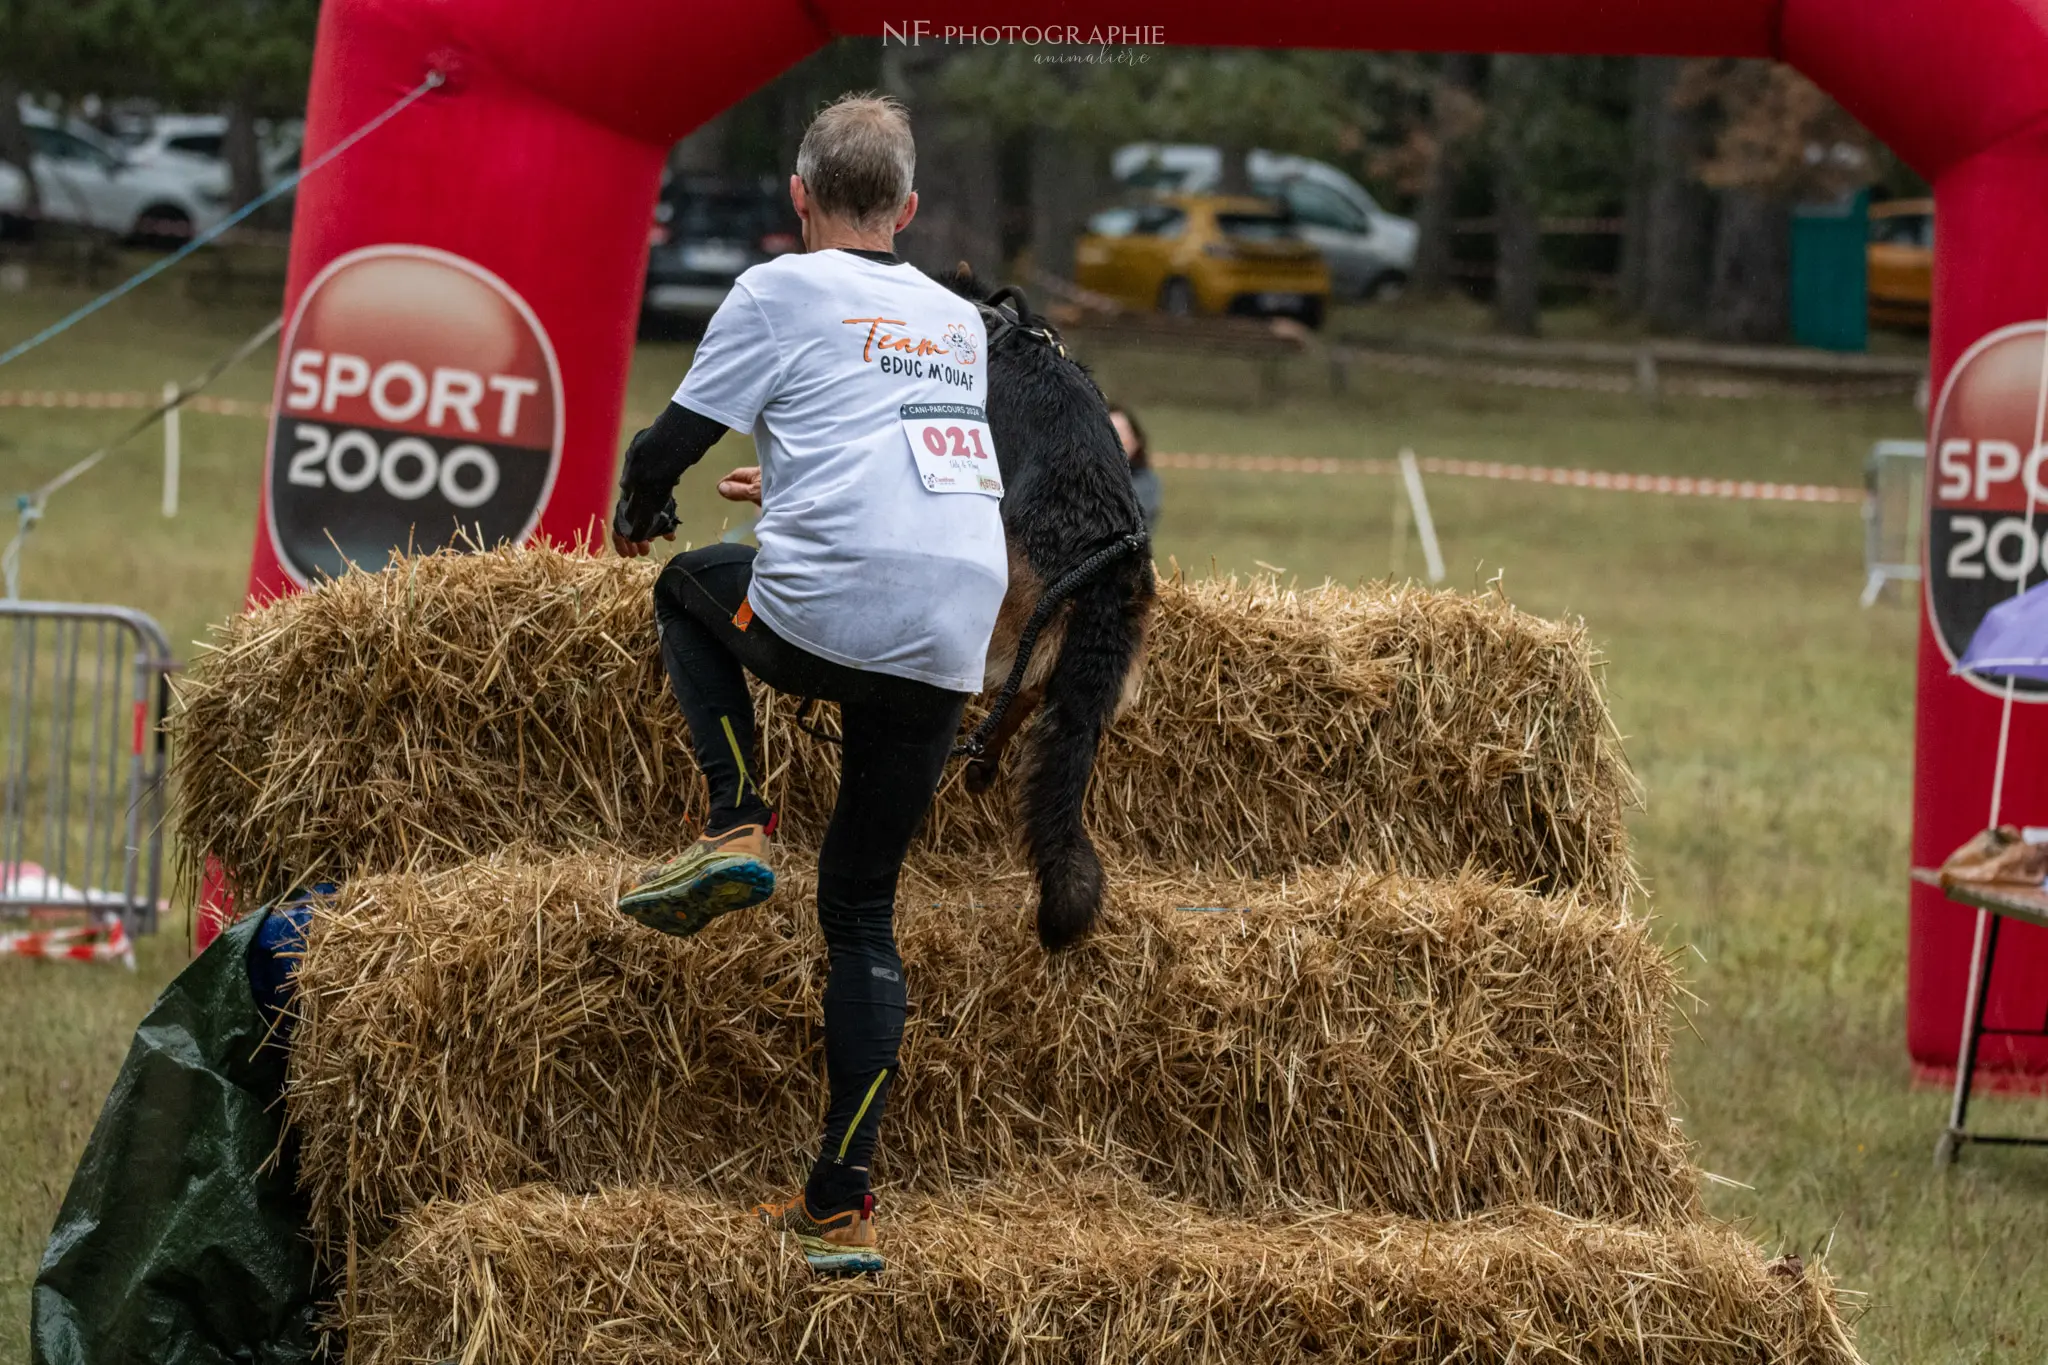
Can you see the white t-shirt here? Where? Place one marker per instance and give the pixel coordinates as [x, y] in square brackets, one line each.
[817, 355]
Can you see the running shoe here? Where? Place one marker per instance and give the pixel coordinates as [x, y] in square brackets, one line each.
[717, 875]
[840, 1244]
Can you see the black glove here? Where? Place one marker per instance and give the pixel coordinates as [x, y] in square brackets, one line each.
[655, 458]
[636, 517]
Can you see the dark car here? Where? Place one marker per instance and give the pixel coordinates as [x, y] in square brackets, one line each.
[706, 231]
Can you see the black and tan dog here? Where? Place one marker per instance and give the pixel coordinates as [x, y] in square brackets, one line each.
[1067, 497]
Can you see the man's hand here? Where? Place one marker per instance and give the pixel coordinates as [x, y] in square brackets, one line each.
[633, 531]
[742, 485]
[634, 549]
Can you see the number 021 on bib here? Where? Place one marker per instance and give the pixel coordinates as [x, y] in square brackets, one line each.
[954, 449]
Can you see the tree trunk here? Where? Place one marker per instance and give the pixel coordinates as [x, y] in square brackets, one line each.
[898, 65]
[1236, 175]
[1069, 179]
[1518, 253]
[1517, 246]
[243, 154]
[1456, 84]
[1678, 211]
[959, 182]
[1646, 98]
[959, 200]
[14, 143]
[1750, 293]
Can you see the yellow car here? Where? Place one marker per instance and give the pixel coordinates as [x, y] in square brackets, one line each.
[1204, 253]
[1901, 261]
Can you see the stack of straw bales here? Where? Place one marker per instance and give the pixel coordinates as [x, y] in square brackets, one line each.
[457, 704]
[1368, 1061]
[1344, 1039]
[1058, 1275]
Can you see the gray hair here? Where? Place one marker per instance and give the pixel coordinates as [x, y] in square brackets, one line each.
[857, 159]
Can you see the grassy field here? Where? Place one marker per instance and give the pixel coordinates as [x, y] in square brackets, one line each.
[1769, 717]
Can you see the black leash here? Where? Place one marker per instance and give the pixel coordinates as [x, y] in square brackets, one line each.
[1069, 582]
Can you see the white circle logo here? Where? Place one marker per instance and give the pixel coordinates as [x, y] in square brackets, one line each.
[418, 400]
[1987, 490]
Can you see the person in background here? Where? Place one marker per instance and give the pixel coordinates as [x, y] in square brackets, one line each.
[1144, 478]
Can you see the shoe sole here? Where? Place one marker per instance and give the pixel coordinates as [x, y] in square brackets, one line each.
[722, 885]
[828, 1259]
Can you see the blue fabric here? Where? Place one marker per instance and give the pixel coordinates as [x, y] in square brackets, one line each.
[2012, 639]
[275, 952]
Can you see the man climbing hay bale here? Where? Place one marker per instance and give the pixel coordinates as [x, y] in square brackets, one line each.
[877, 586]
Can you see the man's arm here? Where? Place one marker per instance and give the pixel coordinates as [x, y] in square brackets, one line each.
[655, 459]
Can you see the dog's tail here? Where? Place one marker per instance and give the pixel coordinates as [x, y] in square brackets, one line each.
[1104, 636]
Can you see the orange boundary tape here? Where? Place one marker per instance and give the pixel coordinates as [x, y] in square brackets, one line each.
[54, 398]
[1744, 490]
[1672, 485]
[86, 943]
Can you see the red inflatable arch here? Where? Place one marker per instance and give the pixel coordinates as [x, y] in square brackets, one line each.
[464, 284]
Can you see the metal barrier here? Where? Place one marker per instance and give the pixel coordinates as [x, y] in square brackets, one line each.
[1894, 514]
[82, 760]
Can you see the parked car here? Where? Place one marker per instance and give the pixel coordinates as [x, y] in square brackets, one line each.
[1900, 261]
[1370, 251]
[84, 179]
[203, 136]
[706, 231]
[201, 139]
[1205, 253]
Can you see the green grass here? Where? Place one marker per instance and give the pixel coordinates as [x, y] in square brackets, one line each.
[1768, 716]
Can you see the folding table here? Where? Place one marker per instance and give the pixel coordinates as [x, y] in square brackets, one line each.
[1997, 904]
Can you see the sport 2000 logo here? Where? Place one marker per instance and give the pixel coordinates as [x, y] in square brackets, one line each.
[418, 399]
[1987, 514]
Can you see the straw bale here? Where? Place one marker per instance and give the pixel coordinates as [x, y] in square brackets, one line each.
[458, 703]
[1427, 1048]
[1030, 1275]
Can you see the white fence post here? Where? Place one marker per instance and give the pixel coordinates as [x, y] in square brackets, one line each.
[1425, 525]
[1397, 540]
[172, 440]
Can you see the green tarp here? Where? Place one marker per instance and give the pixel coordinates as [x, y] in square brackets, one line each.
[181, 1240]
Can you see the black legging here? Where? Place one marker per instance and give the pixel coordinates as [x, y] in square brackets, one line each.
[897, 735]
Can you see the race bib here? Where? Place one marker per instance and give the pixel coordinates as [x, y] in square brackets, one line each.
[954, 449]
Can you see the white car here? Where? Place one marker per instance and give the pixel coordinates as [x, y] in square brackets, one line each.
[187, 140]
[84, 179]
[177, 137]
[1370, 252]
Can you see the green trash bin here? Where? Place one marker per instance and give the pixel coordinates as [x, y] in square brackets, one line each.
[1830, 274]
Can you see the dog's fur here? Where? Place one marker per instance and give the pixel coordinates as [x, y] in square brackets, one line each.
[1067, 494]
